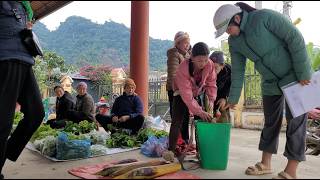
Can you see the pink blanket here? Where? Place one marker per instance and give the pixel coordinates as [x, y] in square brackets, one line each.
[87, 172]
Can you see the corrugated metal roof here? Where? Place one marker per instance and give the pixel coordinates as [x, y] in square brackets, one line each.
[44, 8]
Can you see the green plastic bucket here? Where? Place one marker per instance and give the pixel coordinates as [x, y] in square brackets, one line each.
[213, 141]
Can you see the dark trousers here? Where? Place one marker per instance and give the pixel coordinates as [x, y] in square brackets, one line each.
[296, 129]
[57, 123]
[77, 116]
[179, 111]
[185, 123]
[18, 84]
[134, 124]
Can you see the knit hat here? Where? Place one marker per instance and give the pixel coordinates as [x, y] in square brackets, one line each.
[129, 82]
[200, 49]
[180, 36]
[82, 84]
[217, 57]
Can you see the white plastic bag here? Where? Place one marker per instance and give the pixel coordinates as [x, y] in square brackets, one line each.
[156, 123]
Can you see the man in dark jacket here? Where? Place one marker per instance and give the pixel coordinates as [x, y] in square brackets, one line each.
[64, 103]
[223, 84]
[126, 112]
[85, 108]
[17, 83]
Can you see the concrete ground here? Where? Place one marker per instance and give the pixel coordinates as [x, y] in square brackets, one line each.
[243, 152]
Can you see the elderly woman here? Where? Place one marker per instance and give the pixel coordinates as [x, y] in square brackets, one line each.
[64, 103]
[126, 112]
[85, 107]
[176, 55]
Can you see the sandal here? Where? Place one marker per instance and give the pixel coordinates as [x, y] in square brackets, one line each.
[258, 169]
[283, 175]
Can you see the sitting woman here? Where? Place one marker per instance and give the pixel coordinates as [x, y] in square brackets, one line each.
[126, 112]
[64, 103]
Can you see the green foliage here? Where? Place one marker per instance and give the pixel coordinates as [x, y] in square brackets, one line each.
[146, 132]
[82, 128]
[44, 131]
[82, 42]
[314, 54]
[101, 78]
[17, 117]
[122, 139]
[49, 69]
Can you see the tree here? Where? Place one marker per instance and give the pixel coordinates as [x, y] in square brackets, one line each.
[49, 69]
[314, 54]
[100, 75]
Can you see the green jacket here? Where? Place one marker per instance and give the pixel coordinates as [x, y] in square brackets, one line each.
[271, 41]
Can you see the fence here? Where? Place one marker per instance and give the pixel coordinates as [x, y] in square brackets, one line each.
[159, 103]
[252, 91]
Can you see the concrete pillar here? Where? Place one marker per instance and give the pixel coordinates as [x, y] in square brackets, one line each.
[139, 49]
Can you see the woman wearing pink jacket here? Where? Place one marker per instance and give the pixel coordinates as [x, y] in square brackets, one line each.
[194, 76]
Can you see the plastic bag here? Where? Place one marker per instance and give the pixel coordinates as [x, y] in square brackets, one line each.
[49, 146]
[38, 144]
[99, 137]
[98, 149]
[154, 147]
[156, 123]
[72, 149]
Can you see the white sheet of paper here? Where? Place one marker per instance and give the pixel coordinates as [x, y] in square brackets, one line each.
[302, 99]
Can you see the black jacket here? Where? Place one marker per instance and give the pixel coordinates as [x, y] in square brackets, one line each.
[127, 105]
[64, 104]
[11, 46]
[85, 104]
[223, 83]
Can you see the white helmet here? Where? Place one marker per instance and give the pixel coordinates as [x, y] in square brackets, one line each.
[223, 16]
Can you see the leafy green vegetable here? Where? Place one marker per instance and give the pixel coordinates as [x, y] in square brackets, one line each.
[121, 138]
[81, 128]
[17, 117]
[143, 134]
[44, 131]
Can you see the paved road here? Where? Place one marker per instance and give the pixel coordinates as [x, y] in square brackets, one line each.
[243, 152]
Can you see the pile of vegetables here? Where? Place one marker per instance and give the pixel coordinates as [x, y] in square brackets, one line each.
[123, 139]
[145, 133]
[82, 128]
[44, 131]
[45, 137]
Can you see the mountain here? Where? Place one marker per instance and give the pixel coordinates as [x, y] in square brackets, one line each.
[81, 42]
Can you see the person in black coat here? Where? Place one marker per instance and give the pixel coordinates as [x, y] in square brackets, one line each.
[223, 84]
[126, 112]
[64, 103]
[17, 83]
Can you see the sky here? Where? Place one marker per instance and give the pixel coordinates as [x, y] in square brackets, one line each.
[168, 17]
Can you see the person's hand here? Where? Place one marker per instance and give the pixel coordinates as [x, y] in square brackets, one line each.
[206, 116]
[29, 25]
[124, 118]
[222, 104]
[231, 106]
[304, 82]
[115, 119]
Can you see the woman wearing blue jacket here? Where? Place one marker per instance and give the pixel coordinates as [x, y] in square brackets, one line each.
[278, 51]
